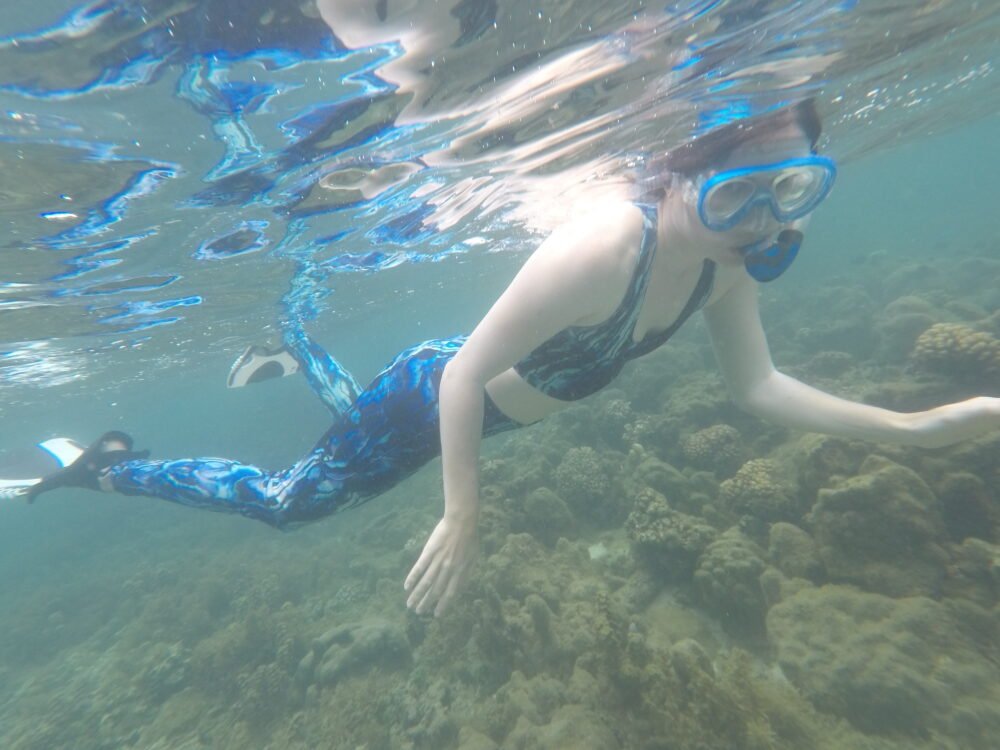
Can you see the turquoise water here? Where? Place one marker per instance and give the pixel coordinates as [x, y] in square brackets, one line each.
[132, 623]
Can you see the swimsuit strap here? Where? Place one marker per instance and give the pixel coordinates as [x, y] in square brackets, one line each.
[700, 295]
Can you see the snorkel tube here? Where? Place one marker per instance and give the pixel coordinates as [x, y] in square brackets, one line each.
[766, 262]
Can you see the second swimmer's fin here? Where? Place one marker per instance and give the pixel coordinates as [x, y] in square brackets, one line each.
[24, 469]
[258, 363]
[109, 449]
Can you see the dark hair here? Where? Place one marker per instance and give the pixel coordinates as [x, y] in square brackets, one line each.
[713, 148]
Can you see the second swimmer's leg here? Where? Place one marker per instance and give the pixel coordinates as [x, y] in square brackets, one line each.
[329, 380]
[388, 433]
[304, 492]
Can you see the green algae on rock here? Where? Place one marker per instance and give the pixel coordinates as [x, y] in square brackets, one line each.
[728, 582]
[882, 530]
[794, 552]
[909, 665]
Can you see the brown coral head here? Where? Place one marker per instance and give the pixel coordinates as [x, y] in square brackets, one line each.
[957, 350]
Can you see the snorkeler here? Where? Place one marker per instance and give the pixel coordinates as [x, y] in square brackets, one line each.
[727, 211]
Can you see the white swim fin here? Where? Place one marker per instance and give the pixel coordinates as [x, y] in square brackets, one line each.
[25, 469]
[258, 363]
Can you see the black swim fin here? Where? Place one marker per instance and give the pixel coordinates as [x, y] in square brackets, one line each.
[85, 471]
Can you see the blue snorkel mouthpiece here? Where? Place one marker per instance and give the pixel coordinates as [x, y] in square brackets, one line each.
[767, 262]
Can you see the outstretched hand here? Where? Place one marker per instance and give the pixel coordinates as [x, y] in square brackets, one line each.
[443, 567]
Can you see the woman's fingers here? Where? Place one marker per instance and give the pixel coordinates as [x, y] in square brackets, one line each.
[456, 582]
[442, 576]
[417, 570]
[427, 600]
[423, 585]
[441, 569]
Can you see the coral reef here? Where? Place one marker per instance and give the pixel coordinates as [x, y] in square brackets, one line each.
[728, 582]
[974, 573]
[881, 529]
[908, 665]
[263, 693]
[758, 490]
[614, 415]
[718, 448]
[829, 364]
[666, 540]
[794, 552]
[900, 324]
[642, 470]
[358, 645]
[958, 351]
[547, 516]
[817, 459]
[583, 481]
[968, 505]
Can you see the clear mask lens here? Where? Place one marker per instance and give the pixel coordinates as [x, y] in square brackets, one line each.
[727, 198]
[796, 187]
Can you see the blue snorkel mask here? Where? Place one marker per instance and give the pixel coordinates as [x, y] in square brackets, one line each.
[791, 189]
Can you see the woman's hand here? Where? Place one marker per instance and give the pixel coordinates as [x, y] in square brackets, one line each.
[952, 423]
[443, 567]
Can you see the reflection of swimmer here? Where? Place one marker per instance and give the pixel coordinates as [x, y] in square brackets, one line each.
[120, 43]
[727, 212]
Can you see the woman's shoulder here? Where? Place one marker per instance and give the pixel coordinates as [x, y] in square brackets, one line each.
[601, 238]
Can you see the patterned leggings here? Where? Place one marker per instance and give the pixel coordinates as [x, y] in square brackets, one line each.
[380, 435]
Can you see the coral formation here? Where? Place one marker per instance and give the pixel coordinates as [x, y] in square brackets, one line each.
[718, 448]
[829, 364]
[909, 665]
[357, 646]
[665, 539]
[642, 470]
[899, 325]
[958, 351]
[882, 530]
[968, 505]
[758, 490]
[614, 415]
[819, 458]
[547, 516]
[263, 693]
[583, 482]
[728, 582]
[974, 573]
[794, 552]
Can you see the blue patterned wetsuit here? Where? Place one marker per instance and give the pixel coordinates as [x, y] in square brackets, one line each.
[379, 437]
[385, 432]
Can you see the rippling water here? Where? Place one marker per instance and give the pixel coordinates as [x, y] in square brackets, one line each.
[173, 170]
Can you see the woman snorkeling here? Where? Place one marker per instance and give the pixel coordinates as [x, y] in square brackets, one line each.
[727, 212]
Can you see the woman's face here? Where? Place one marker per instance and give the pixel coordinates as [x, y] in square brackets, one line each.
[759, 221]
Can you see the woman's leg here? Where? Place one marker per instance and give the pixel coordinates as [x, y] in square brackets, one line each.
[390, 431]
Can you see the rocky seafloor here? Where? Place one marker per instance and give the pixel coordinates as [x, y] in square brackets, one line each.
[658, 571]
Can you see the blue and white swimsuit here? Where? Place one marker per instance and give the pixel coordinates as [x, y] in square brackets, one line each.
[385, 432]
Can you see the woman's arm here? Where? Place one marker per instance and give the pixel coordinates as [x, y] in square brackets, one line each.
[743, 355]
[564, 282]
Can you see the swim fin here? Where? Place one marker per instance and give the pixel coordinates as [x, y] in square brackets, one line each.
[86, 469]
[258, 363]
[22, 469]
